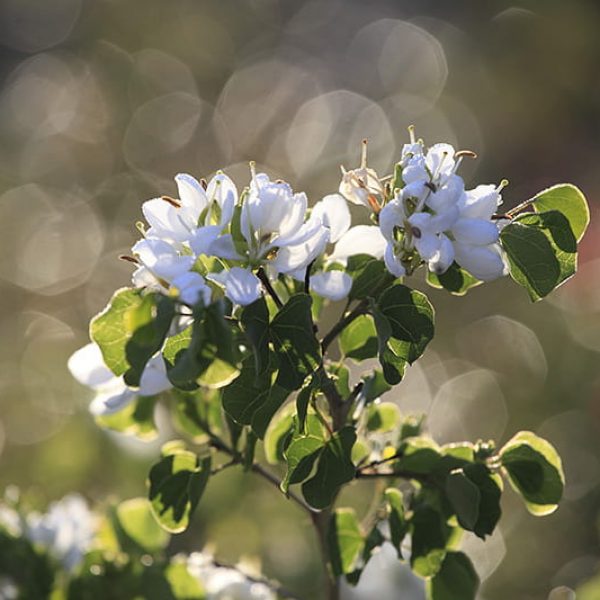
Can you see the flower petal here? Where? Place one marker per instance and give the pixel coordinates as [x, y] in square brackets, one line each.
[154, 377]
[362, 239]
[483, 262]
[334, 214]
[242, 286]
[475, 231]
[392, 263]
[88, 367]
[333, 285]
[191, 193]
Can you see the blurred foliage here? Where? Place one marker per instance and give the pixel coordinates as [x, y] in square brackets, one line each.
[102, 103]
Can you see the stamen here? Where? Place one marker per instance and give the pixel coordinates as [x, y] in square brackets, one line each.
[502, 185]
[253, 169]
[411, 133]
[141, 227]
[416, 232]
[131, 259]
[204, 184]
[467, 153]
[171, 201]
[363, 157]
[430, 185]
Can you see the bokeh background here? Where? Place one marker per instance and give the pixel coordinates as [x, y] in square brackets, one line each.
[102, 102]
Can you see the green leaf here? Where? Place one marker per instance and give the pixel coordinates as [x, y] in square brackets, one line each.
[541, 250]
[374, 386]
[298, 350]
[430, 535]
[149, 323]
[464, 496]
[253, 401]
[359, 339]
[255, 322]
[410, 316]
[278, 434]
[397, 520]
[456, 580]
[334, 469]
[300, 457]
[418, 455]
[135, 518]
[302, 401]
[393, 366]
[197, 413]
[345, 541]
[136, 419]
[455, 280]
[112, 328]
[568, 200]
[204, 353]
[369, 276]
[176, 484]
[535, 471]
[384, 416]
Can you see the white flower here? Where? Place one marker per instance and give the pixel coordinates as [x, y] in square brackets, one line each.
[161, 260]
[362, 185]
[333, 285]
[191, 288]
[242, 286]
[112, 393]
[361, 239]
[224, 583]
[66, 531]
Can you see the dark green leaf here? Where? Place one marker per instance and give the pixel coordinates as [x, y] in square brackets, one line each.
[300, 456]
[344, 540]
[255, 321]
[419, 455]
[334, 469]
[535, 471]
[393, 366]
[149, 323]
[197, 413]
[359, 339]
[396, 518]
[541, 250]
[176, 484]
[410, 316]
[430, 535]
[464, 497]
[568, 200]
[456, 580]
[455, 280]
[298, 350]
[369, 276]
[374, 386]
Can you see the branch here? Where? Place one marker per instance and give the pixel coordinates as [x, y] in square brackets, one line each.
[264, 279]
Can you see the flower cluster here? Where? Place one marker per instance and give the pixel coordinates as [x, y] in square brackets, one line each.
[213, 241]
[430, 217]
[213, 236]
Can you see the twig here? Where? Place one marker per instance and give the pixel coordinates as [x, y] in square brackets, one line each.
[267, 285]
[307, 277]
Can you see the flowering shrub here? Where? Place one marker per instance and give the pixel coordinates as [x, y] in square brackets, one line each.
[224, 314]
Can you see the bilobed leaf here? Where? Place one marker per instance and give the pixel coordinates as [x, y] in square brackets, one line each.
[374, 386]
[255, 321]
[334, 469]
[149, 323]
[464, 496]
[176, 484]
[369, 276]
[541, 250]
[535, 471]
[112, 329]
[359, 339]
[300, 457]
[278, 434]
[393, 366]
[418, 455]
[568, 200]
[135, 518]
[410, 316]
[490, 489]
[455, 280]
[297, 348]
[430, 535]
[275, 398]
[204, 353]
[345, 541]
[456, 580]
[396, 518]
[136, 419]
[197, 413]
